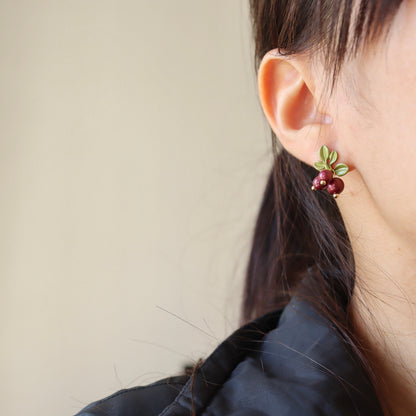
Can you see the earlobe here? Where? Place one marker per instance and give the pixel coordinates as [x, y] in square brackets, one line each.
[287, 97]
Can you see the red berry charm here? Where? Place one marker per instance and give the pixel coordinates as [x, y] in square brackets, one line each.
[318, 185]
[335, 187]
[325, 178]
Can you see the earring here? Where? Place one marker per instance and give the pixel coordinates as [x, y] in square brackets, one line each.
[325, 178]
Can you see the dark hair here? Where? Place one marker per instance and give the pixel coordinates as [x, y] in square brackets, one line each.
[300, 232]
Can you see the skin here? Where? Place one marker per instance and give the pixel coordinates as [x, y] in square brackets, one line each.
[370, 120]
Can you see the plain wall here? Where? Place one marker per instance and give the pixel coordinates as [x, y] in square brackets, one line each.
[133, 159]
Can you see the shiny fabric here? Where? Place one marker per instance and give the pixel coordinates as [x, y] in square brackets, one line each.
[290, 362]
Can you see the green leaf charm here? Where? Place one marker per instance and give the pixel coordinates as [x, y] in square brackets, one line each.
[341, 169]
[333, 157]
[324, 153]
[320, 165]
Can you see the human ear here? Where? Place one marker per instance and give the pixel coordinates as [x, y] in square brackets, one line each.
[287, 96]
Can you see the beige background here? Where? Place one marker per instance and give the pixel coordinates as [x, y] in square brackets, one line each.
[133, 159]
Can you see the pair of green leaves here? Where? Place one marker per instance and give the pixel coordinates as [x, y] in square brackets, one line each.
[327, 159]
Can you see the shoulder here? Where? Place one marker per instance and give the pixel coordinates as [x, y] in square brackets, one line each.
[175, 395]
[290, 361]
[150, 399]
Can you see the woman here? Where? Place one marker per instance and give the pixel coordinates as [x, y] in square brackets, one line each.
[327, 319]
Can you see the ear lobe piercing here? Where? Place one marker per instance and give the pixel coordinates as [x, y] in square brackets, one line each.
[325, 178]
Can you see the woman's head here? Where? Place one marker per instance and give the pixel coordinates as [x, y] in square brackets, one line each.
[326, 70]
[342, 74]
[338, 73]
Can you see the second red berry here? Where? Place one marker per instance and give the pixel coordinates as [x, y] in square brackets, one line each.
[335, 187]
[326, 175]
[316, 184]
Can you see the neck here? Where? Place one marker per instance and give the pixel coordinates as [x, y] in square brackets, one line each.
[383, 306]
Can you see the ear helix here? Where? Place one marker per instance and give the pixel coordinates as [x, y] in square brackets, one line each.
[325, 178]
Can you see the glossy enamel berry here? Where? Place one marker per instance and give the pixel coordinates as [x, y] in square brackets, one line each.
[317, 184]
[325, 176]
[335, 187]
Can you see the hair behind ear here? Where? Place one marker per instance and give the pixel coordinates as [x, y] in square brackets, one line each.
[297, 231]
